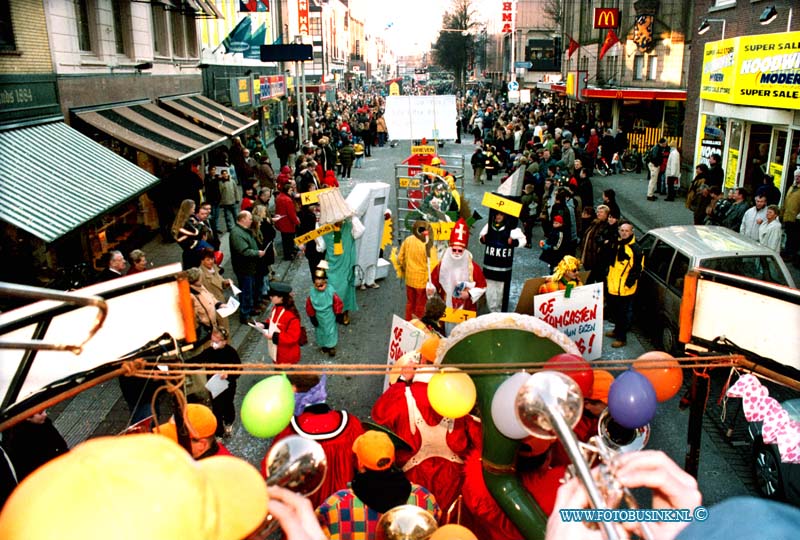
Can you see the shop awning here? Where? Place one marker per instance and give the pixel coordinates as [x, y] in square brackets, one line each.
[647, 94]
[54, 179]
[154, 130]
[210, 113]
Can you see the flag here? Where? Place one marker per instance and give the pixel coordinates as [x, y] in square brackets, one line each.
[573, 46]
[239, 38]
[610, 41]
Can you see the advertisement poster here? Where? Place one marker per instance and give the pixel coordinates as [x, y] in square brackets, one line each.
[580, 316]
[404, 337]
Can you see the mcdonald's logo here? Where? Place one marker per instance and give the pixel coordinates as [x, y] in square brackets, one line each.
[606, 17]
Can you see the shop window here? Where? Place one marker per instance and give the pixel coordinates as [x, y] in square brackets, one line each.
[121, 22]
[160, 30]
[652, 68]
[6, 28]
[84, 10]
[638, 67]
[178, 34]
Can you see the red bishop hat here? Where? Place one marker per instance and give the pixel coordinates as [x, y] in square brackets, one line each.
[459, 236]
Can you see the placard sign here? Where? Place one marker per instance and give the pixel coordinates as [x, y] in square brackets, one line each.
[501, 204]
[313, 235]
[580, 316]
[404, 337]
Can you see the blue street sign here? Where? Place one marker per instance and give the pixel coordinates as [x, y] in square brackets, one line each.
[526, 65]
[513, 86]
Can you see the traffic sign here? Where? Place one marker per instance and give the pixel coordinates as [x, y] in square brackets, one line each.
[526, 65]
[513, 86]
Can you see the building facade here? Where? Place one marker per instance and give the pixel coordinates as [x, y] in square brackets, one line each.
[744, 77]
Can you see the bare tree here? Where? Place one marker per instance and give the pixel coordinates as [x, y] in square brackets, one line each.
[553, 9]
[455, 46]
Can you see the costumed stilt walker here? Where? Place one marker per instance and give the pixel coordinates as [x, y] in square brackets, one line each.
[340, 247]
[457, 278]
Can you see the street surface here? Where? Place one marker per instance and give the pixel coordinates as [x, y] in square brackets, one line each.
[724, 470]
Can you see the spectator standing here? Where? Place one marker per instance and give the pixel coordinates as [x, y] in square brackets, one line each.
[622, 281]
[346, 157]
[753, 218]
[656, 164]
[716, 174]
[221, 352]
[769, 234]
[286, 220]
[478, 162]
[245, 256]
[382, 131]
[228, 199]
[733, 219]
[672, 172]
[791, 209]
[213, 196]
[115, 268]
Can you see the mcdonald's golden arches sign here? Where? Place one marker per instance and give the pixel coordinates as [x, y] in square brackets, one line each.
[606, 17]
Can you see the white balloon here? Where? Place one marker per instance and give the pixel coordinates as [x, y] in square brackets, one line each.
[504, 412]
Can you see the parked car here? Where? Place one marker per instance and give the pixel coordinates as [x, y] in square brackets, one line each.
[775, 479]
[670, 252]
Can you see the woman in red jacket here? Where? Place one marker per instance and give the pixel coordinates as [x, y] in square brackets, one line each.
[286, 320]
[286, 220]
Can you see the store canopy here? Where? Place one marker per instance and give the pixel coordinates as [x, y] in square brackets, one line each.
[210, 113]
[154, 130]
[54, 179]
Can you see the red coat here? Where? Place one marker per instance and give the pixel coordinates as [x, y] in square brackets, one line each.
[284, 206]
[442, 477]
[289, 337]
[476, 275]
[335, 431]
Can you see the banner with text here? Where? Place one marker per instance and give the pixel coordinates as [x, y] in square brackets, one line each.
[404, 337]
[417, 117]
[580, 316]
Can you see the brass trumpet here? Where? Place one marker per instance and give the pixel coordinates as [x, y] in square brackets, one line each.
[549, 405]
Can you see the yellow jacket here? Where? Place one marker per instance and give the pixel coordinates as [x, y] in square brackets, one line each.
[623, 275]
[413, 264]
[791, 204]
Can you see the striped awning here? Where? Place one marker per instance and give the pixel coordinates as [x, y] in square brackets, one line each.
[155, 131]
[53, 179]
[210, 113]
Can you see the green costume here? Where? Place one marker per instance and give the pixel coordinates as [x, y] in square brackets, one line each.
[325, 305]
[341, 273]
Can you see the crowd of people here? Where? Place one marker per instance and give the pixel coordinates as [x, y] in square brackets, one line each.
[438, 464]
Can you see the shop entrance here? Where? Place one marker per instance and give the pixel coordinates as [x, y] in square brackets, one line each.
[757, 157]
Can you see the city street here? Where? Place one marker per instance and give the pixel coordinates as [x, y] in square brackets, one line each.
[724, 470]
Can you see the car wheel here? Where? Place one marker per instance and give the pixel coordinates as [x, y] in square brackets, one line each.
[669, 339]
[766, 470]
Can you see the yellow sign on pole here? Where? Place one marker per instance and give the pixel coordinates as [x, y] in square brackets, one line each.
[316, 233]
[457, 315]
[435, 170]
[423, 150]
[312, 197]
[442, 230]
[501, 204]
[404, 182]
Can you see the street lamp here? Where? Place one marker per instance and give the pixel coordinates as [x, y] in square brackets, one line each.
[705, 26]
[770, 14]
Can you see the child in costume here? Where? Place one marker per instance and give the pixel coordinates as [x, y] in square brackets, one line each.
[325, 309]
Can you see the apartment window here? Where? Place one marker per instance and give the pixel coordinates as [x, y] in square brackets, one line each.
[638, 67]
[723, 3]
[178, 34]
[315, 27]
[160, 30]
[121, 16]
[83, 25]
[191, 37]
[652, 68]
[6, 28]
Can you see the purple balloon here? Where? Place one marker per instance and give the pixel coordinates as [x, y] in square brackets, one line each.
[632, 400]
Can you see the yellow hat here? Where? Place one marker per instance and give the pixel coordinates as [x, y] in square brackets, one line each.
[374, 450]
[134, 487]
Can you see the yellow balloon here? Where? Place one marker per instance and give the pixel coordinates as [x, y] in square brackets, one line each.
[453, 532]
[451, 393]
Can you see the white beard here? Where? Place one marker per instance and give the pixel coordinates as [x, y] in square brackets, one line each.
[452, 271]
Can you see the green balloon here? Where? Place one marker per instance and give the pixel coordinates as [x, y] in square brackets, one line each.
[268, 407]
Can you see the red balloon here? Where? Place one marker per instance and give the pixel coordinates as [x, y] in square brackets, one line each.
[575, 367]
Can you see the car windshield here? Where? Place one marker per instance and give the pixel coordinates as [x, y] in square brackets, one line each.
[758, 267]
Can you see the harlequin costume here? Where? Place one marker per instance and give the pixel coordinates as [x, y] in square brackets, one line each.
[456, 273]
[558, 281]
[353, 513]
[334, 430]
[438, 444]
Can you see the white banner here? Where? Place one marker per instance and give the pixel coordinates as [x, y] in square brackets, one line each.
[415, 117]
[580, 316]
[405, 337]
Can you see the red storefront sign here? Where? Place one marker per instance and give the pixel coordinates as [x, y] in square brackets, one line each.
[507, 17]
[302, 17]
[606, 17]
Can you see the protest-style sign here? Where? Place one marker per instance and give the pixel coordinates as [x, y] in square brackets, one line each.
[531, 288]
[456, 316]
[442, 229]
[404, 337]
[316, 233]
[423, 150]
[312, 197]
[580, 316]
[501, 204]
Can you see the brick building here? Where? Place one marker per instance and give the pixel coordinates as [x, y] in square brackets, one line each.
[745, 81]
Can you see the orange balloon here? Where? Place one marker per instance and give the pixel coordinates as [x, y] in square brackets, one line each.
[453, 532]
[428, 349]
[666, 380]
